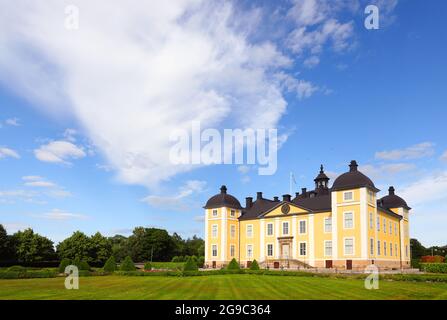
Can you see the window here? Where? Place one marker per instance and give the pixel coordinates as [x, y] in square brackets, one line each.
[249, 230]
[215, 213]
[348, 196]
[371, 246]
[328, 248]
[395, 249]
[214, 231]
[406, 251]
[214, 250]
[270, 229]
[232, 231]
[371, 221]
[395, 228]
[378, 248]
[232, 250]
[270, 250]
[384, 248]
[391, 249]
[384, 225]
[302, 248]
[349, 220]
[349, 246]
[378, 224]
[370, 196]
[285, 228]
[303, 226]
[328, 225]
[391, 228]
[232, 213]
[249, 251]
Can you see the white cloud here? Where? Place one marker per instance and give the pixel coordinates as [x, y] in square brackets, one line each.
[421, 150]
[386, 170]
[32, 178]
[177, 201]
[444, 156]
[12, 122]
[57, 214]
[6, 152]
[40, 184]
[303, 89]
[13, 227]
[244, 169]
[70, 134]
[53, 190]
[59, 152]
[311, 62]
[426, 190]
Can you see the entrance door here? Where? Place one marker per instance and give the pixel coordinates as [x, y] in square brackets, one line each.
[276, 265]
[348, 264]
[214, 264]
[328, 264]
[285, 251]
[248, 264]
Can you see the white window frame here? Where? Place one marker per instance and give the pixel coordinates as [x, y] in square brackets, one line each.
[395, 228]
[391, 228]
[395, 250]
[249, 234]
[214, 213]
[285, 223]
[378, 248]
[344, 220]
[325, 247]
[272, 229]
[249, 256]
[378, 223]
[371, 220]
[324, 226]
[348, 192]
[384, 249]
[353, 246]
[214, 248]
[273, 248]
[232, 250]
[305, 248]
[214, 231]
[391, 250]
[384, 225]
[232, 213]
[372, 244]
[232, 231]
[305, 226]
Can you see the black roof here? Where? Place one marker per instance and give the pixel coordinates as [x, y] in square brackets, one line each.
[393, 201]
[353, 179]
[223, 199]
[319, 203]
[259, 207]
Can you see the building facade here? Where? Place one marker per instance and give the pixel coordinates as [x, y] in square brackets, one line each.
[344, 226]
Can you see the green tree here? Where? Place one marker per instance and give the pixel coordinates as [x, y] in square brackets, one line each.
[417, 249]
[127, 264]
[64, 263]
[254, 265]
[110, 265]
[32, 247]
[190, 265]
[77, 246]
[120, 247]
[151, 243]
[100, 248]
[4, 244]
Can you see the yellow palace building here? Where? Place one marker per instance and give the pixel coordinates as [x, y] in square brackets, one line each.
[343, 227]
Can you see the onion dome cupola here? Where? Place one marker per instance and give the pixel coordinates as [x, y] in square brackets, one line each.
[393, 201]
[322, 180]
[353, 179]
[223, 199]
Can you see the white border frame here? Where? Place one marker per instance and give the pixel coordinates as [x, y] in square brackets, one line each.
[353, 246]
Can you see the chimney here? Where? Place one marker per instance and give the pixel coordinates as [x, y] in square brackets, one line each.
[276, 199]
[391, 191]
[223, 189]
[304, 192]
[248, 202]
[286, 197]
[297, 194]
[258, 195]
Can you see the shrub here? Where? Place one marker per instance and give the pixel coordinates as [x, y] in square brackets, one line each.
[200, 262]
[434, 267]
[64, 263]
[175, 259]
[148, 266]
[233, 265]
[254, 265]
[190, 265]
[17, 269]
[432, 259]
[110, 265]
[127, 264]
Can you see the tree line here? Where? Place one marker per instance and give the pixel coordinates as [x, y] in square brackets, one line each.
[145, 244]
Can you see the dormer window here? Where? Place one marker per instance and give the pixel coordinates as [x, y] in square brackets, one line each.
[215, 213]
[233, 213]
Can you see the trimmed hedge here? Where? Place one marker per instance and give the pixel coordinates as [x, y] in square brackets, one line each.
[64, 263]
[147, 266]
[254, 265]
[434, 267]
[27, 274]
[191, 264]
[233, 265]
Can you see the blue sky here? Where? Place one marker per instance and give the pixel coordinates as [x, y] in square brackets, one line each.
[85, 113]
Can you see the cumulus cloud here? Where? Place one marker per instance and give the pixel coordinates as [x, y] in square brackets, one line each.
[421, 150]
[427, 190]
[59, 152]
[6, 152]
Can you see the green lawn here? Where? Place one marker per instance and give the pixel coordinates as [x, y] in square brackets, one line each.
[218, 287]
